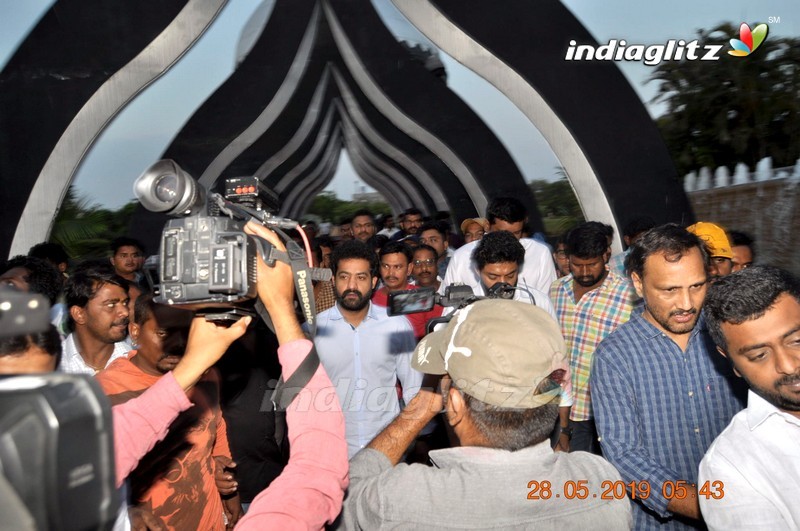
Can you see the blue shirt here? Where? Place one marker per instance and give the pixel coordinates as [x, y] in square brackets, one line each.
[658, 409]
[364, 364]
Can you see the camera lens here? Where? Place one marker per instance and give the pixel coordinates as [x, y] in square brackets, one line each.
[167, 188]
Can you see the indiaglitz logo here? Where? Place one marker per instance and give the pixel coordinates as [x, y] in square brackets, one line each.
[671, 50]
[748, 41]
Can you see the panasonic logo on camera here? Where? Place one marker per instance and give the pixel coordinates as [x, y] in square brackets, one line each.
[651, 55]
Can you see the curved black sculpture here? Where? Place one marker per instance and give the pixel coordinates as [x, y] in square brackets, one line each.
[326, 75]
[79, 66]
[593, 120]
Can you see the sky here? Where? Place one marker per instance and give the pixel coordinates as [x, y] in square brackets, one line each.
[143, 130]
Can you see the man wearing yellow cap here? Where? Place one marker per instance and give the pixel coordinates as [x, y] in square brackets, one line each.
[719, 247]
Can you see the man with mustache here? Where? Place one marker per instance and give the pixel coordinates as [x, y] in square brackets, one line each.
[396, 264]
[364, 351]
[590, 302]
[659, 393]
[751, 471]
[97, 300]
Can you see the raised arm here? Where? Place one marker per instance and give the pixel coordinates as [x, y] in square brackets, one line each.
[309, 491]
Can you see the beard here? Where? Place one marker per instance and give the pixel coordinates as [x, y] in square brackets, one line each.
[353, 304]
[664, 319]
[775, 396]
[588, 281]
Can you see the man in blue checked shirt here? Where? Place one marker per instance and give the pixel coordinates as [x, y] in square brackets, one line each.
[660, 393]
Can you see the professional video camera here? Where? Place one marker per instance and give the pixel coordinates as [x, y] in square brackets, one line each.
[206, 262]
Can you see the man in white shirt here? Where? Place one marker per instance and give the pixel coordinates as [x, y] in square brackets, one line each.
[750, 476]
[97, 299]
[504, 214]
[364, 350]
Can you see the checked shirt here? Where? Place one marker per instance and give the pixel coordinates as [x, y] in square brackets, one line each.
[585, 324]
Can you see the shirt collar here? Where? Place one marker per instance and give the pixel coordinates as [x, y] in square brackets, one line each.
[611, 280]
[759, 410]
[336, 314]
[478, 455]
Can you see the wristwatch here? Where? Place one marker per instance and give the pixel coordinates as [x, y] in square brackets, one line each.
[567, 431]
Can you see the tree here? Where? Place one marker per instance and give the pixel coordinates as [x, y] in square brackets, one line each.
[557, 203]
[736, 109]
[85, 230]
[329, 207]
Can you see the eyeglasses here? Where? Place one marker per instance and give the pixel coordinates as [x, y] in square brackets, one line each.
[427, 263]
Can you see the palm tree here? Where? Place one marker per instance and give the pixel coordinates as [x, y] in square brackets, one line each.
[737, 109]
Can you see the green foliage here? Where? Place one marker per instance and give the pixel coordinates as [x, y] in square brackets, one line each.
[330, 208]
[736, 109]
[557, 203]
[85, 230]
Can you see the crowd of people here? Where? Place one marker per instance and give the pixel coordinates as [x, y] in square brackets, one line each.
[657, 388]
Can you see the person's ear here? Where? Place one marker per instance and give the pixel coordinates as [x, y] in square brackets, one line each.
[78, 314]
[637, 284]
[410, 268]
[456, 407]
[134, 330]
[374, 282]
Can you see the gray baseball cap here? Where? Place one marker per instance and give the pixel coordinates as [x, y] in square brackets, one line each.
[499, 351]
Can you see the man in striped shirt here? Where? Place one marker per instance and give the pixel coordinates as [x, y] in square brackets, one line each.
[590, 302]
[660, 393]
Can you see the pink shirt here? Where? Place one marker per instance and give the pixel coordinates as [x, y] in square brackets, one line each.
[311, 488]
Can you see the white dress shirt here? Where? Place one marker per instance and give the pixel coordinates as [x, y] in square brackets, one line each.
[72, 362]
[537, 271]
[757, 461]
[364, 364]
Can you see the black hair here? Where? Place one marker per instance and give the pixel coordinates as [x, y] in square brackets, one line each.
[738, 238]
[364, 212]
[49, 251]
[87, 278]
[608, 230]
[744, 296]
[378, 241]
[587, 240]
[508, 209]
[393, 247]
[638, 225]
[423, 247]
[143, 308]
[345, 221]
[42, 277]
[49, 341]
[434, 225]
[498, 247]
[355, 249]
[412, 212]
[124, 241]
[670, 239]
[319, 243]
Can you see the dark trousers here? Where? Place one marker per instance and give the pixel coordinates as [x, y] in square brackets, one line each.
[584, 437]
